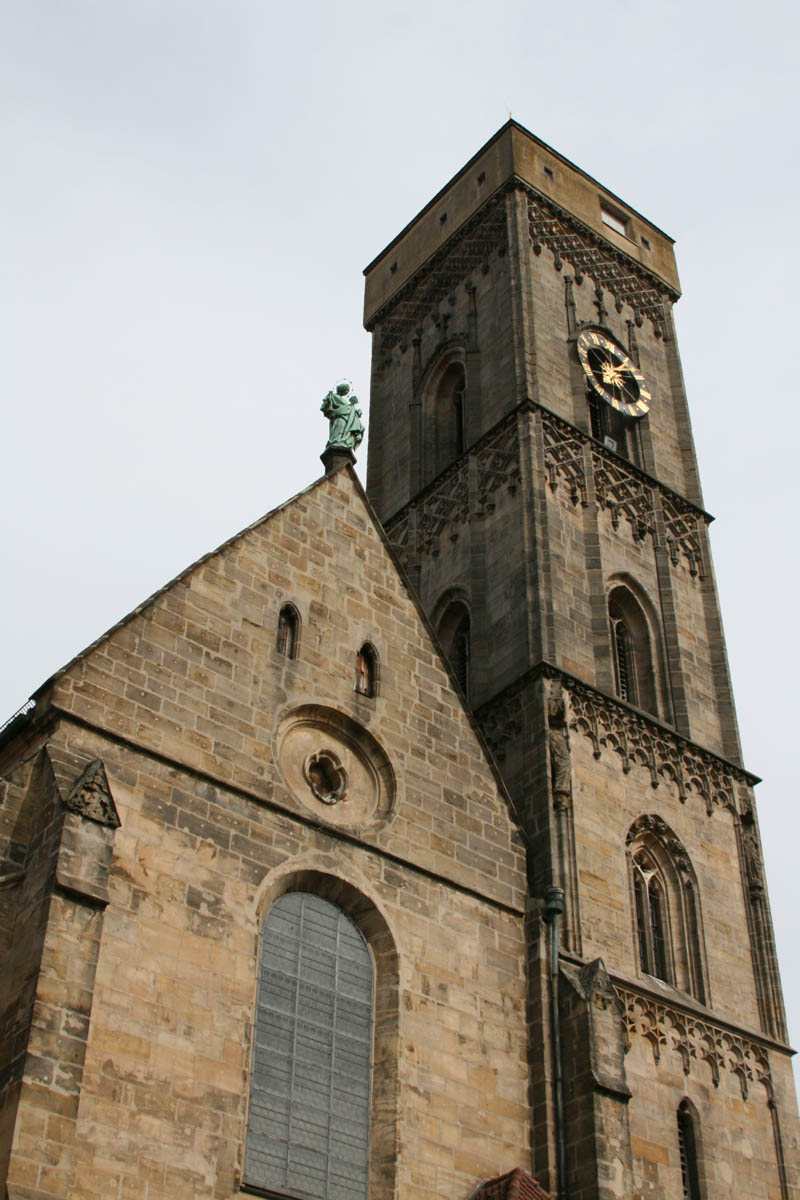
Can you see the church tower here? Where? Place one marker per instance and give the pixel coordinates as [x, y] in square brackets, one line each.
[531, 458]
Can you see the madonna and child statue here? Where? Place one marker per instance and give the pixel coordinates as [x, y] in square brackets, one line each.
[346, 427]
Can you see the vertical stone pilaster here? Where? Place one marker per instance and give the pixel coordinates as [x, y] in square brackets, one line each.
[679, 716]
[599, 1162]
[52, 1075]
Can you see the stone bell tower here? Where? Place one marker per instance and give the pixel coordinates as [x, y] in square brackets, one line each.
[531, 458]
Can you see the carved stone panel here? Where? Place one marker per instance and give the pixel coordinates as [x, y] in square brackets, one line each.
[334, 767]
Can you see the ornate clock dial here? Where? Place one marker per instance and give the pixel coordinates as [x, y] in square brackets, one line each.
[612, 375]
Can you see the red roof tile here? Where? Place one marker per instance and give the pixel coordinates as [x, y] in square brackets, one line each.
[516, 1185]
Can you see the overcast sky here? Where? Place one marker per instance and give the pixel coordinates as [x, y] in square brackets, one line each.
[192, 190]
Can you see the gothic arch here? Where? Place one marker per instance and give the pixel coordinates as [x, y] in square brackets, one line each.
[665, 907]
[288, 634]
[636, 655]
[367, 664]
[370, 921]
[453, 624]
[444, 410]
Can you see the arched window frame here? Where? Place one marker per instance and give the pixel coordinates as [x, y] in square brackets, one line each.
[366, 672]
[454, 628]
[385, 1096]
[690, 1156]
[444, 411]
[288, 633]
[665, 906]
[636, 653]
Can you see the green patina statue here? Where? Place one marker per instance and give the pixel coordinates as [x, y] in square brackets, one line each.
[341, 409]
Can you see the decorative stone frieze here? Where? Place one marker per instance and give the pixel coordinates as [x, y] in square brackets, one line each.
[622, 490]
[498, 463]
[696, 1040]
[638, 740]
[563, 457]
[445, 504]
[682, 532]
[502, 719]
[623, 493]
[468, 251]
[568, 238]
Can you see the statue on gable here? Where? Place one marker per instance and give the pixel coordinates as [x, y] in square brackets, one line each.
[346, 427]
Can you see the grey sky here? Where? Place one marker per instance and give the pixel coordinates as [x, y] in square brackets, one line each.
[192, 190]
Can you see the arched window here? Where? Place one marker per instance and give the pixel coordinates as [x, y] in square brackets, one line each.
[308, 1119]
[632, 651]
[367, 671]
[288, 631]
[688, 1152]
[447, 418]
[650, 917]
[454, 633]
[665, 907]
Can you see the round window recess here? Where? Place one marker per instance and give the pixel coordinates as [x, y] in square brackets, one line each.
[334, 767]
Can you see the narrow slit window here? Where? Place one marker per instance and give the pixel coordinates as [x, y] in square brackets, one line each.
[687, 1149]
[288, 630]
[366, 671]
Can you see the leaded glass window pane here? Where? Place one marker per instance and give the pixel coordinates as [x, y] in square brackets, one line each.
[308, 1127]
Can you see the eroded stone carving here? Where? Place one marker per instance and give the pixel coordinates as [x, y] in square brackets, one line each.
[91, 796]
[326, 777]
[560, 765]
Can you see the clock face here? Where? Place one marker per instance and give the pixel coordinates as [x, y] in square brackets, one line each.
[612, 375]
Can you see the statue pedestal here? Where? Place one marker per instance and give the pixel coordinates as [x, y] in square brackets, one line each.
[335, 457]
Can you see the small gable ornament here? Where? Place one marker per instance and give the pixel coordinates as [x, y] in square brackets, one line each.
[91, 796]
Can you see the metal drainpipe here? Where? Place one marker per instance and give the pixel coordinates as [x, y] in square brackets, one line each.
[553, 910]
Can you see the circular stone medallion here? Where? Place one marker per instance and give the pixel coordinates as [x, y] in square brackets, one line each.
[334, 766]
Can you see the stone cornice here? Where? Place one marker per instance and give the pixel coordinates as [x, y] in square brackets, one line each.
[625, 277]
[466, 251]
[568, 237]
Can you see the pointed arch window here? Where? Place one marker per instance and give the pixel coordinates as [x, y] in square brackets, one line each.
[454, 632]
[666, 909]
[309, 1113]
[288, 631]
[446, 419]
[687, 1151]
[650, 917]
[367, 670]
[635, 676]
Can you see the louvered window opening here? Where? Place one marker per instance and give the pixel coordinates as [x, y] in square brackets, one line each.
[308, 1123]
[626, 686]
[687, 1147]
